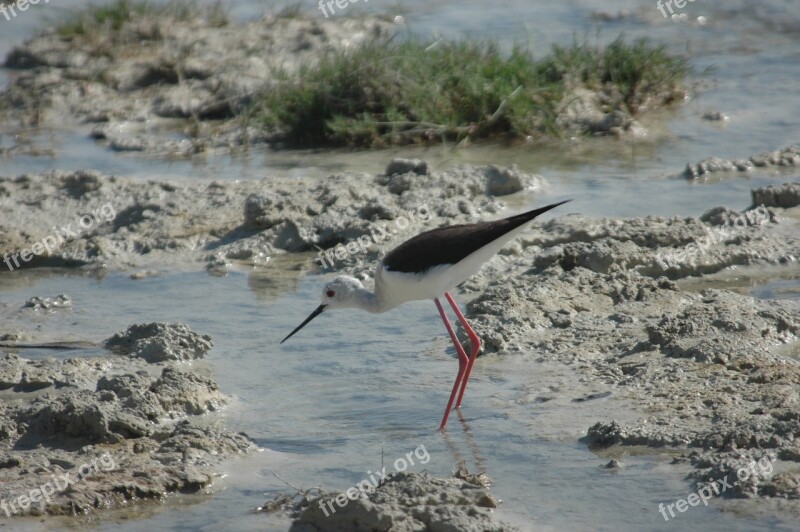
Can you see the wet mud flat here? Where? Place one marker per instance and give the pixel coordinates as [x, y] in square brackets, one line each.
[713, 372]
[145, 406]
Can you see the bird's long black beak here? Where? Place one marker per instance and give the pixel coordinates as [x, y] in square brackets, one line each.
[313, 315]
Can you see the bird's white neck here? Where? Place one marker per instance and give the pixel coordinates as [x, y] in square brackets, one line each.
[367, 300]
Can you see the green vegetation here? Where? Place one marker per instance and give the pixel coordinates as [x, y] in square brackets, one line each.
[402, 92]
[393, 91]
[113, 17]
[638, 71]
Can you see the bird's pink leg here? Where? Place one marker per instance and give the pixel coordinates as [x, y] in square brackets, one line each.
[463, 361]
[474, 342]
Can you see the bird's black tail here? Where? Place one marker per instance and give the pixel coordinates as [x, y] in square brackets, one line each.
[519, 219]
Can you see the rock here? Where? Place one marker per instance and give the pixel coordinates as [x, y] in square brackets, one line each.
[115, 434]
[715, 116]
[159, 342]
[261, 211]
[785, 157]
[123, 407]
[784, 196]
[48, 303]
[143, 274]
[723, 216]
[405, 166]
[24, 376]
[503, 181]
[81, 415]
[707, 166]
[404, 503]
[81, 183]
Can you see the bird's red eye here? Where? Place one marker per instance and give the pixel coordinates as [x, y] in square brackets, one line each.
[330, 293]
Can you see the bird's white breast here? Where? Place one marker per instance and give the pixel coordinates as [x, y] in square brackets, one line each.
[395, 288]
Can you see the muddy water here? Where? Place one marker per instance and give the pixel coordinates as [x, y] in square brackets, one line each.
[326, 405]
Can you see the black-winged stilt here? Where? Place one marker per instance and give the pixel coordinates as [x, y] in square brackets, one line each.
[427, 267]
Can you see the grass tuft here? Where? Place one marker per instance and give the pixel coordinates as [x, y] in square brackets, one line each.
[389, 92]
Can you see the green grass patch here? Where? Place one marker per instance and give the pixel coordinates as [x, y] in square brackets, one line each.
[389, 92]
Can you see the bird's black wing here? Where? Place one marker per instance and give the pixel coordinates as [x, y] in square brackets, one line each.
[451, 244]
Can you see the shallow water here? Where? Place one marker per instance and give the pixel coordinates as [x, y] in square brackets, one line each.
[326, 404]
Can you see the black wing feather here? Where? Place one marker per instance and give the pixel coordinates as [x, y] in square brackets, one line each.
[451, 244]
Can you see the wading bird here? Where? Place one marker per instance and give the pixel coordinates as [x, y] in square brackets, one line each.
[427, 267]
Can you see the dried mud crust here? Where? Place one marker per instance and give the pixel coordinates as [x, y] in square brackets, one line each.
[407, 502]
[103, 432]
[784, 158]
[715, 374]
[157, 223]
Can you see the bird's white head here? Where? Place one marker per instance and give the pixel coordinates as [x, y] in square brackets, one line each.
[341, 292]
